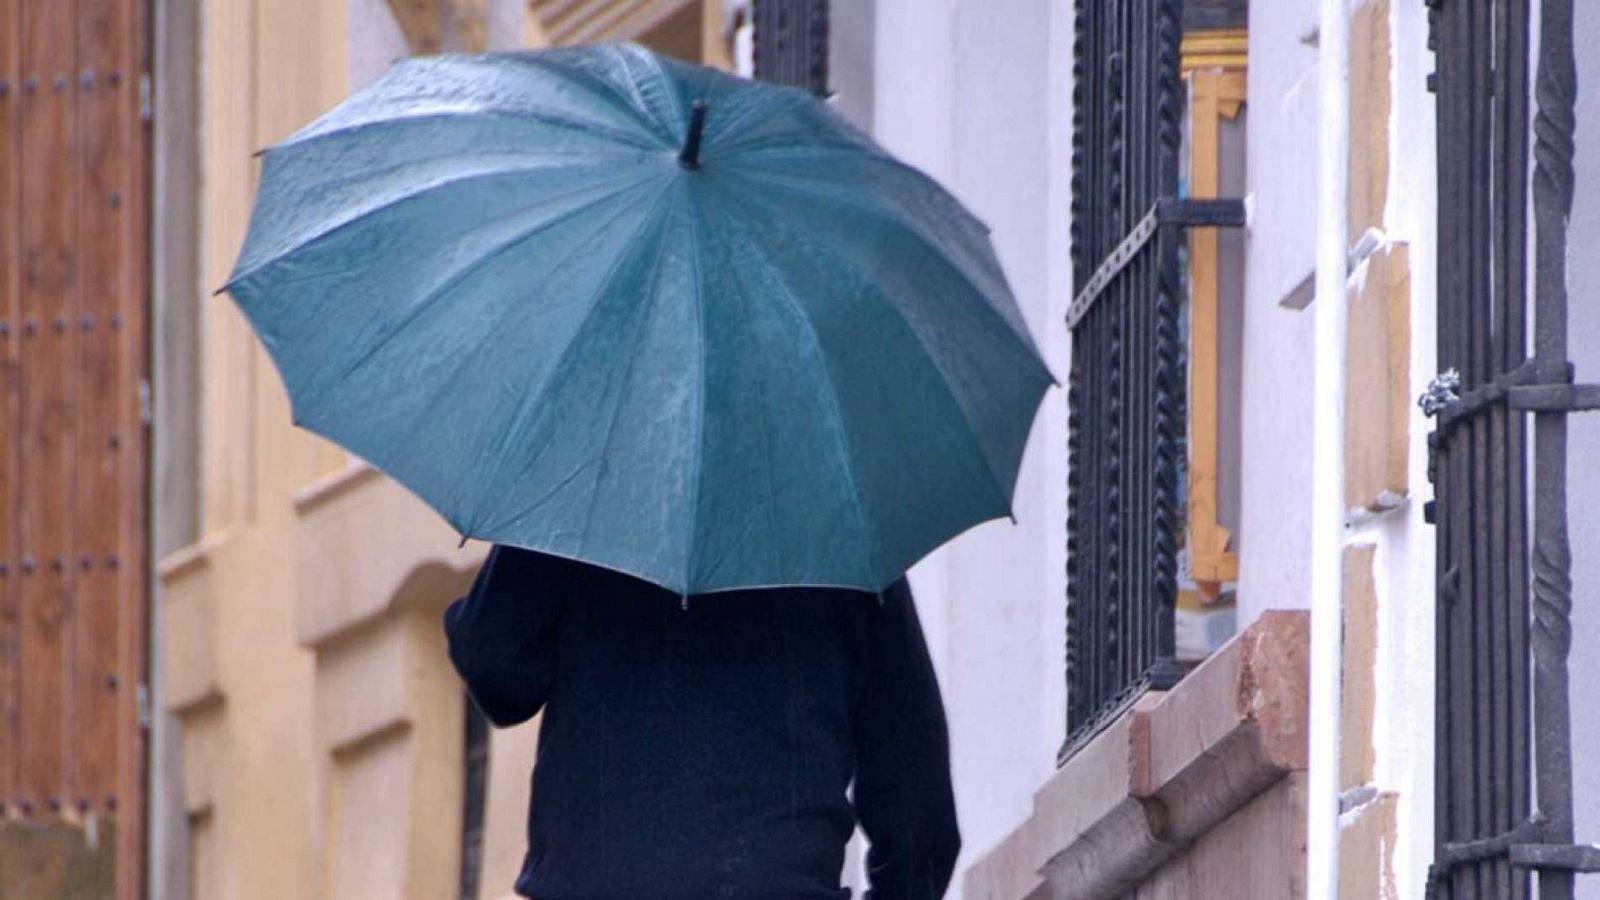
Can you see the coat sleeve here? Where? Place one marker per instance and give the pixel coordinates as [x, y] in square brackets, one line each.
[903, 795]
[502, 635]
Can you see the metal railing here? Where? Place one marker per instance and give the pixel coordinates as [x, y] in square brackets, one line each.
[1503, 745]
[791, 43]
[1125, 391]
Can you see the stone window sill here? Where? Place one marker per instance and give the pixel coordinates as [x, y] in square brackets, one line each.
[1163, 774]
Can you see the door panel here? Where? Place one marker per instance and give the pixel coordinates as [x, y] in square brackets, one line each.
[73, 510]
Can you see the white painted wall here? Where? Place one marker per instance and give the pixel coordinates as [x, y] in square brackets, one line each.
[1405, 559]
[1405, 543]
[1279, 342]
[1275, 423]
[851, 47]
[979, 96]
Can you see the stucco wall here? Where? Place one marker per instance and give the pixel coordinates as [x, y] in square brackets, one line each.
[1275, 424]
[310, 698]
[1404, 558]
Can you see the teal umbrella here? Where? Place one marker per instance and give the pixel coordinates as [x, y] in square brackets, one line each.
[610, 306]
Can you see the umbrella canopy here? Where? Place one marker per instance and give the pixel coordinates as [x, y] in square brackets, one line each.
[734, 347]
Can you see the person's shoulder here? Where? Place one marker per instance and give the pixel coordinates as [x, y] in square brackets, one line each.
[533, 566]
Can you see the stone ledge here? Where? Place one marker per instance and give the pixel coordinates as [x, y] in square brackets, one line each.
[366, 543]
[388, 713]
[188, 604]
[203, 745]
[334, 485]
[1164, 773]
[381, 678]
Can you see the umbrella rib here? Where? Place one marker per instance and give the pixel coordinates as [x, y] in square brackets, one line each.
[530, 401]
[445, 387]
[840, 432]
[661, 76]
[554, 62]
[310, 241]
[809, 144]
[727, 123]
[356, 129]
[604, 92]
[1024, 340]
[460, 275]
[700, 383]
[922, 348]
[622, 388]
[391, 91]
[766, 470]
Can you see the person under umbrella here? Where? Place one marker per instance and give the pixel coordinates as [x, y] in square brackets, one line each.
[723, 369]
[707, 751]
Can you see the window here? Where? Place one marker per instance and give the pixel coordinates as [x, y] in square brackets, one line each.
[1128, 516]
[1213, 165]
[1503, 776]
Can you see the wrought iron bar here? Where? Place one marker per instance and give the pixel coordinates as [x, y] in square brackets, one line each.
[1126, 388]
[1497, 620]
[1476, 452]
[1226, 212]
[791, 43]
[1554, 857]
[1554, 127]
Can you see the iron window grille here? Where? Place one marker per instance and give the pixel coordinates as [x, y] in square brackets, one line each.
[791, 43]
[1125, 392]
[1503, 777]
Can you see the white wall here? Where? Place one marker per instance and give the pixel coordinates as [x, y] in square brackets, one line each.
[1275, 425]
[1404, 562]
[978, 94]
[851, 38]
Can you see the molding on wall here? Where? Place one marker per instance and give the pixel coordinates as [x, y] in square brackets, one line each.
[187, 612]
[333, 486]
[368, 546]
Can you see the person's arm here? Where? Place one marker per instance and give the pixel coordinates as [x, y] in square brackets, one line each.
[502, 634]
[903, 796]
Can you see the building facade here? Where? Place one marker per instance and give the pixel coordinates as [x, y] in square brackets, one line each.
[1251, 670]
[319, 742]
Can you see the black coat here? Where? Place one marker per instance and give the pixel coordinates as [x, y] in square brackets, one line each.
[707, 751]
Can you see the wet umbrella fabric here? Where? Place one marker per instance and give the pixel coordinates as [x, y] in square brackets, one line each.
[505, 280]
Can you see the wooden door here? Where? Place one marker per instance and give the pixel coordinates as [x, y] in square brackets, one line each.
[73, 444]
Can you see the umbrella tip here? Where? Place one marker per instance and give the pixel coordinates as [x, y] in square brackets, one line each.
[689, 157]
[220, 291]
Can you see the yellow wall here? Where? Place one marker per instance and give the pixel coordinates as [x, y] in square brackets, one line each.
[300, 648]
[312, 729]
